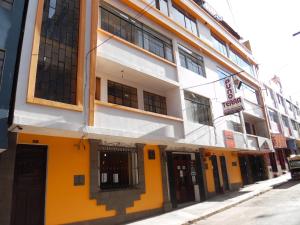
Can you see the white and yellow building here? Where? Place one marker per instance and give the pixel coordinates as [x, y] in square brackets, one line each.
[118, 111]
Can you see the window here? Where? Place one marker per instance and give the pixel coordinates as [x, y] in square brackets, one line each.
[285, 121]
[155, 103]
[2, 57]
[250, 128]
[294, 124]
[122, 95]
[274, 121]
[219, 45]
[7, 3]
[98, 89]
[248, 93]
[191, 61]
[162, 5]
[118, 167]
[198, 108]
[131, 30]
[236, 58]
[184, 19]
[235, 126]
[56, 77]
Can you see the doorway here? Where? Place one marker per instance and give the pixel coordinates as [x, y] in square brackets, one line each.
[184, 186]
[28, 204]
[214, 162]
[245, 172]
[224, 173]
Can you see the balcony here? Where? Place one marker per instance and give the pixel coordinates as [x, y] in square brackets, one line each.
[253, 109]
[125, 122]
[141, 64]
[253, 142]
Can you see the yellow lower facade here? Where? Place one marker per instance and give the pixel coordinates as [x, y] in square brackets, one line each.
[66, 157]
[232, 164]
[66, 203]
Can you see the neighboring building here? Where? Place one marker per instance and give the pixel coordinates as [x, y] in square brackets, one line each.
[12, 16]
[11, 26]
[118, 111]
[284, 120]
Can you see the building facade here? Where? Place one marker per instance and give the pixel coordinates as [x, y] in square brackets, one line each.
[119, 115]
[283, 115]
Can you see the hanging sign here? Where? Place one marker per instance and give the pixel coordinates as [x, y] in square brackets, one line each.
[233, 104]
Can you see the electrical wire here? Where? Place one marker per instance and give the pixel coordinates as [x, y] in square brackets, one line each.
[137, 16]
[211, 82]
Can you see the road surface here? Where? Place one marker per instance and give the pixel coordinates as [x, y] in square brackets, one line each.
[280, 206]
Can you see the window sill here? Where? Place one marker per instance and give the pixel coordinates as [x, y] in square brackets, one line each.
[125, 108]
[60, 105]
[135, 46]
[118, 189]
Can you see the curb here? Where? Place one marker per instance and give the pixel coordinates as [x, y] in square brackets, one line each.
[235, 203]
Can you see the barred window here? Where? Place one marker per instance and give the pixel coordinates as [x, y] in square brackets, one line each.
[155, 103]
[122, 94]
[198, 108]
[131, 30]
[118, 167]
[2, 57]
[191, 61]
[7, 3]
[56, 78]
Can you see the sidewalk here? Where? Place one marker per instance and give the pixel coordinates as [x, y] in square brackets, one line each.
[214, 205]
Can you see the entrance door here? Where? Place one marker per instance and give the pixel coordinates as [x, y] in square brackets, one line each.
[184, 186]
[29, 185]
[214, 161]
[244, 169]
[224, 173]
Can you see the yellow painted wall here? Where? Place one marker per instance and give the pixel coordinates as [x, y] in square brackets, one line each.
[153, 198]
[234, 173]
[66, 203]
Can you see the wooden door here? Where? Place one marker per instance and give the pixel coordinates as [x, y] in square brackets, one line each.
[29, 185]
[224, 173]
[214, 161]
[184, 186]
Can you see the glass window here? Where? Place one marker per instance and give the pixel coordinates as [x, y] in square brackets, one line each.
[198, 108]
[236, 58]
[135, 32]
[122, 95]
[2, 57]
[155, 103]
[294, 125]
[118, 167]
[184, 19]
[219, 45]
[162, 5]
[249, 93]
[56, 77]
[191, 61]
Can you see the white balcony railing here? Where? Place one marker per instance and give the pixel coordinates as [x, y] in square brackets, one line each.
[115, 120]
[253, 109]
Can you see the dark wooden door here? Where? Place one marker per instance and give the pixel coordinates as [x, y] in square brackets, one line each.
[214, 161]
[184, 186]
[224, 173]
[29, 185]
[244, 170]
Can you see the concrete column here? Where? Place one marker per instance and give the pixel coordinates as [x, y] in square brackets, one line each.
[165, 180]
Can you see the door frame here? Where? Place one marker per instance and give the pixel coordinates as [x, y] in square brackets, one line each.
[171, 175]
[45, 148]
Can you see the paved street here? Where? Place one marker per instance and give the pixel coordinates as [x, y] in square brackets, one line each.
[280, 206]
